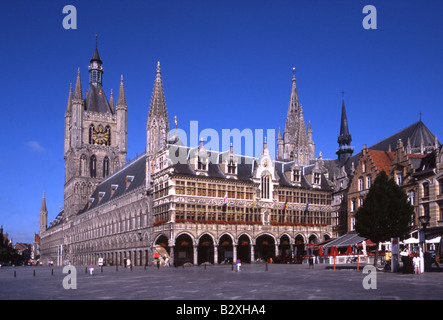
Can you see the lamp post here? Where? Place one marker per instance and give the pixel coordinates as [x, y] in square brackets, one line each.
[424, 220]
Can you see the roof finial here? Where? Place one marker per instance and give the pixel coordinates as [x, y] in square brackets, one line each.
[420, 115]
[96, 40]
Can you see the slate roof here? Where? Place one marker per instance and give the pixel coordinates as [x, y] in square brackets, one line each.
[96, 100]
[135, 169]
[416, 133]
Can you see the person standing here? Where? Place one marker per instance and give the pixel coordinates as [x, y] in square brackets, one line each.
[416, 263]
[91, 269]
[128, 263]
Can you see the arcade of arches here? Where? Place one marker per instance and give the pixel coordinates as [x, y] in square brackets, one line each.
[226, 248]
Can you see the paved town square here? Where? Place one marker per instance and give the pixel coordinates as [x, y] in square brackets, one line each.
[221, 282]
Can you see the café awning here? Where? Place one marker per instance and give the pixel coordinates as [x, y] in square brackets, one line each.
[349, 239]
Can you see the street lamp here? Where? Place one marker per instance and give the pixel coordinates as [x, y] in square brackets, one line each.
[424, 220]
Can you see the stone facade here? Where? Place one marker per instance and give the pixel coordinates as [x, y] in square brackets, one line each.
[192, 204]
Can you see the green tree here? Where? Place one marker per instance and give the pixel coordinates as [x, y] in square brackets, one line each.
[385, 213]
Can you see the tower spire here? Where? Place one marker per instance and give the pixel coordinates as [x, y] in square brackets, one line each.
[121, 102]
[344, 139]
[43, 215]
[69, 105]
[78, 94]
[157, 126]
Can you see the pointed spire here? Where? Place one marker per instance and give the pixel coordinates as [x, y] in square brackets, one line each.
[293, 106]
[121, 102]
[78, 95]
[301, 139]
[69, 105]
[43, 207]
[158, 104]
[279, 136]
[344, 138]
[111, 100]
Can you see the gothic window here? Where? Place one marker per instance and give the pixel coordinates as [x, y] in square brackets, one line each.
[105, 167]
[83, 165]
[440, 184]
[265, 186]
[91, 132]
[426, 189]
[108, 132]
[93, 167]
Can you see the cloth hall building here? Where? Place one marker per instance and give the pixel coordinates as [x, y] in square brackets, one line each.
[189, 203]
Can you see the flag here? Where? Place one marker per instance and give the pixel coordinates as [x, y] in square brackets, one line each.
[253, 202]
[225, 201]
[307, 207]
[285, 206]
[225, 198]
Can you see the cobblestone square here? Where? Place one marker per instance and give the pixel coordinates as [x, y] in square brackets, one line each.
[257, 282]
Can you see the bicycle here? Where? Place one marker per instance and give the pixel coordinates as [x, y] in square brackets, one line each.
[383, 264]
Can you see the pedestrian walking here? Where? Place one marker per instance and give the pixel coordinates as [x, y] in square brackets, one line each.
[125, 261]
[91, 269]
[238, 263]
[311, 262]
[128, 263]
[416, 262]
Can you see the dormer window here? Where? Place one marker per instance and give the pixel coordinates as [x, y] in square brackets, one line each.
[201, 164]
[101, 195]
[113, 188]
[317, 178]
[231, 167]
[90, 201]
[296, 176]
[129, 179]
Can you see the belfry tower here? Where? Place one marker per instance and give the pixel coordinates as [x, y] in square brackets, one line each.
[157, 127]
[95, 137]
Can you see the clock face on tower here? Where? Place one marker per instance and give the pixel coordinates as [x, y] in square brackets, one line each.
[100, 136]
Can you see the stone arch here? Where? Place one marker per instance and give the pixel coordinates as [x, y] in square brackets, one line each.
[184, 249]
[265, 246]
[205, 249]
[225, 244]
[244, 244]
[299, 247]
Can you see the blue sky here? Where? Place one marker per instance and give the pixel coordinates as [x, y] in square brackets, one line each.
[226, 64]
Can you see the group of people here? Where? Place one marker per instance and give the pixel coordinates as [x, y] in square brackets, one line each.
[411, 262]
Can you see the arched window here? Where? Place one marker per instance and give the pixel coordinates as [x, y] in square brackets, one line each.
[93, 167]
[265, 186]
[83, 165]
[108, 132]
[91, 132]
[105, 167]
